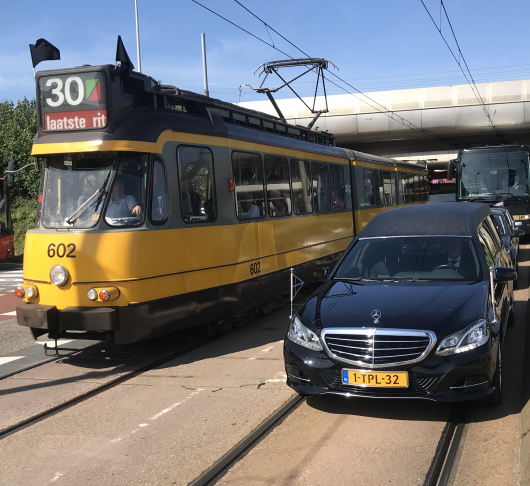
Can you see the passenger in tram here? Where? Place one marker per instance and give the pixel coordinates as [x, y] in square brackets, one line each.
[336, 201]
[89, 187]
[252, 210]
[278, 204]
[122, 205]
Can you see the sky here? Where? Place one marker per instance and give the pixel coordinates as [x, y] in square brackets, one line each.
[376, 44]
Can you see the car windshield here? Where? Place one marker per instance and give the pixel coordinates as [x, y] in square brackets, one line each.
[411, 258]
[75, 188]
[500, 224]
[493, 175]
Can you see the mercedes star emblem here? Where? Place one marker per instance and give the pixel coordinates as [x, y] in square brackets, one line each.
[376, 315]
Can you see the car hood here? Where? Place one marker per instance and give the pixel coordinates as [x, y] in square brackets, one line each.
[443, 309]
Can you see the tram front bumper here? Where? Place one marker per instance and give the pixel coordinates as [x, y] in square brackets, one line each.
[48, 317]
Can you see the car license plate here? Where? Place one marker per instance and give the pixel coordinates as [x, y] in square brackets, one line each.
[398, 379]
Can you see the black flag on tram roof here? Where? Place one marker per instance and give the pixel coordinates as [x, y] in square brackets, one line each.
[42, 50]
[123, 57]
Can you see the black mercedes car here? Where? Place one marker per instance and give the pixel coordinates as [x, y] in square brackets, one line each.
[509, 234]
[417, 307]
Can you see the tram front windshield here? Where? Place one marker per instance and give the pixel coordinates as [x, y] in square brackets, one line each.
[78, 185]
[493, 175]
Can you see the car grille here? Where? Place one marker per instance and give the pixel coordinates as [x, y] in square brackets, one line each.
[419, 386]
[378, 347]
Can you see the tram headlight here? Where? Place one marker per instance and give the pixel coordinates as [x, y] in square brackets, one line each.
[92, 294]
[31, 291]
[58, 275]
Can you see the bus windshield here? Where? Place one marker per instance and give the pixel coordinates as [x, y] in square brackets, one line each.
[493, 175]
[75, 188]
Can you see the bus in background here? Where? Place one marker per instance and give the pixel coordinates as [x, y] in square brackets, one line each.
[496, 175]
[441, 188]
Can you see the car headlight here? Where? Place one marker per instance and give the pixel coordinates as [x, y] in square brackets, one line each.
[469, 338]
[303, 336]
[58, 275]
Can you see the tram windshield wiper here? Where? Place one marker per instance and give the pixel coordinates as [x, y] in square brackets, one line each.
[89, 203]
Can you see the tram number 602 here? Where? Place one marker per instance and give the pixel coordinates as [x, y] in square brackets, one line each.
[60, 250]
[255, 268]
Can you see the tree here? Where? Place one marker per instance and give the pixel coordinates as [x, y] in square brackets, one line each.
[18, 126]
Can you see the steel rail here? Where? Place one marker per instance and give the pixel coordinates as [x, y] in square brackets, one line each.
[223, 464]
[52, 358]
[439, 472]
[6, 432]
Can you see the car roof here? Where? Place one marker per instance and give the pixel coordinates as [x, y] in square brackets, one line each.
[444, 219]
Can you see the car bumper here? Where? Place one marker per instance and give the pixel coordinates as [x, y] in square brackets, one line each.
[455, 378]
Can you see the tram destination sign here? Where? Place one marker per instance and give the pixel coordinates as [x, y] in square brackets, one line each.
[73, 101]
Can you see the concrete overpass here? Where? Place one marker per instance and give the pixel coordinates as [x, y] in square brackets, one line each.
[450, 112]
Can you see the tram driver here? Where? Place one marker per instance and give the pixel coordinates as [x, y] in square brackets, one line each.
[122, 205]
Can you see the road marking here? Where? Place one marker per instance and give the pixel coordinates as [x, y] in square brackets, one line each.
[12, 313]
[8, 359]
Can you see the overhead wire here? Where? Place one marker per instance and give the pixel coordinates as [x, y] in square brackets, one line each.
[471, 83]
[390, 114]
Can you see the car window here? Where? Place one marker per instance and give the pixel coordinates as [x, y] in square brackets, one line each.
[494, 231]
[405, 258]
[485, 234]
[499, 221]
[487, 252]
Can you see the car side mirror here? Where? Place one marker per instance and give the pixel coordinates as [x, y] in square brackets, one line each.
[505, 274]
[321, 275]
[518, 233]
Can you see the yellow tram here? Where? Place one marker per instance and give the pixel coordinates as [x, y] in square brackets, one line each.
[162, 209]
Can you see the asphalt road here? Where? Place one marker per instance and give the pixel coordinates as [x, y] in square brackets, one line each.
[168, 425]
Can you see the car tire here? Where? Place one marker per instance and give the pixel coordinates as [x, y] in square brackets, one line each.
[511, 317]
[495, 399]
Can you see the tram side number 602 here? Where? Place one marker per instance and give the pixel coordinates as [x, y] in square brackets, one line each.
[255, 268]
[60, 250]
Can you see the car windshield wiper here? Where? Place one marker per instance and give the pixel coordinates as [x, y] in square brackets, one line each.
[353, 279]
[85, 207]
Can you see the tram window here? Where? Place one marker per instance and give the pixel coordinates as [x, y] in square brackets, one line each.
[408, 188]
[338, 190]
[197, 184]
[127, 204]
[301, 182]
[158, 193]
[379, 188]
[248, 178]
[388, 187]
[71, 183]
[369, 197]
[417, 196]
[278, 187]
[320, 180]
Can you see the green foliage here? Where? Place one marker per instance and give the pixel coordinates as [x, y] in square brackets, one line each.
[18, 126]
[23, 212]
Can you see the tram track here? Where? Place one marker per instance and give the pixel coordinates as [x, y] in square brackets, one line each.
[445, 456]
[439, 473]
[34, 419]
[6, 432]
